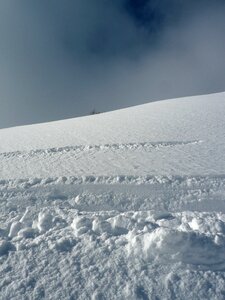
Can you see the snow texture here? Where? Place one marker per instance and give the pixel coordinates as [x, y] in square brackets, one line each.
[123, 205]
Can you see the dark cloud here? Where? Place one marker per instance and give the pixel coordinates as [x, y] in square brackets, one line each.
[61, 59]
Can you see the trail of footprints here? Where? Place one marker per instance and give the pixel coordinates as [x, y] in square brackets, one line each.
[147, 146]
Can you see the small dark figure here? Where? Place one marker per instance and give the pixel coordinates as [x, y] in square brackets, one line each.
[94, 112]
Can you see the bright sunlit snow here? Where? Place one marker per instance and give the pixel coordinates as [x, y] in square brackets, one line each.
[128, 204]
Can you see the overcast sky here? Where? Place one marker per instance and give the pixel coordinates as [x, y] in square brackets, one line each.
[61, 59]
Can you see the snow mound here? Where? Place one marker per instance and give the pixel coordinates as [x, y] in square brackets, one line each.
[168, 245]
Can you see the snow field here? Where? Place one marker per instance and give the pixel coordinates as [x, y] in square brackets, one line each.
[123, 205]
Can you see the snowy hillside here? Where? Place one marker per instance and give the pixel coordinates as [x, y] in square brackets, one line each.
[128, 204]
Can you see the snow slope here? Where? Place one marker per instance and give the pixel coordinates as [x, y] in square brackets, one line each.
[180, 137]
[128, 204]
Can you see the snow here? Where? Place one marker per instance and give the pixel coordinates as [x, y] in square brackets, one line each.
[128, 204]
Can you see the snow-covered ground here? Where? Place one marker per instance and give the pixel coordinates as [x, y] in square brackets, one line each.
[128, 204]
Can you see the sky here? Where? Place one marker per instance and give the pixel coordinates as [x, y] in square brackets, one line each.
[62, 59]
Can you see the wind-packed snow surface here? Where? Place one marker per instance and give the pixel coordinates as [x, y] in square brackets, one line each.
[122, 205]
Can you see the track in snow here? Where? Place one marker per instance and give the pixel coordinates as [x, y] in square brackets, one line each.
[147, 146]
[121, 193]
